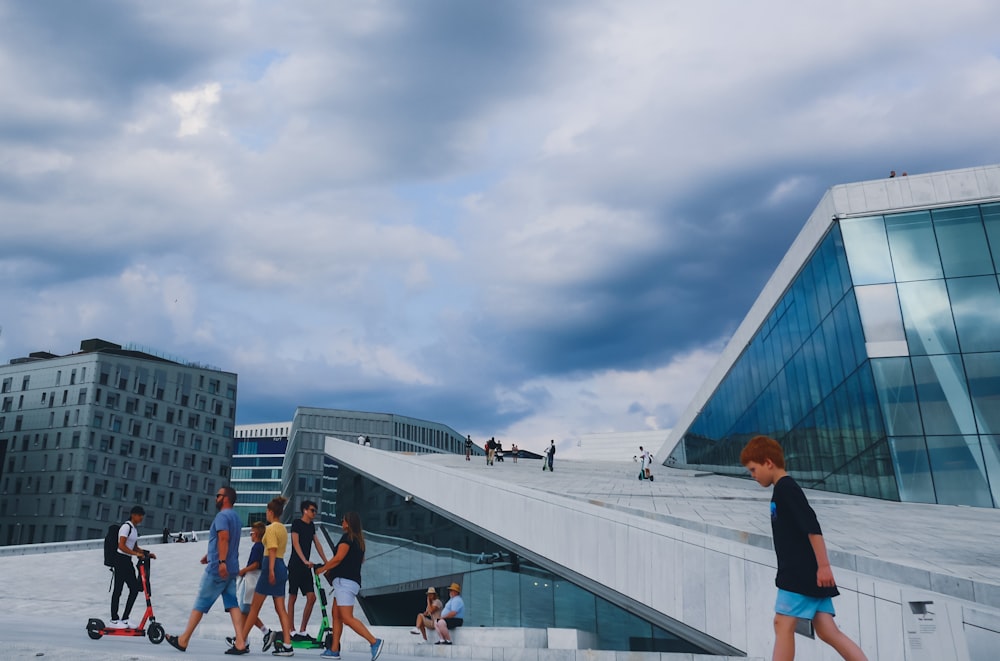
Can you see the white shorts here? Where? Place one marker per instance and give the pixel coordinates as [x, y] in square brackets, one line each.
[345, 591]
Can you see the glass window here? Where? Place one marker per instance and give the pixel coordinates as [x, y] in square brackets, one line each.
[927, 317]
[867, 250]
[913, 472]
[991, 454]
[975, 303]
[913, 246]
[943, 394]
[897, 396]
[991, 219]
[962, 241]
[983, 372]
[881, 320]
[957, 467]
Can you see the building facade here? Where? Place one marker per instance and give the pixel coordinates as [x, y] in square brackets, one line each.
[258, 453]
[86, 436]
[873, 353]
[308, 473]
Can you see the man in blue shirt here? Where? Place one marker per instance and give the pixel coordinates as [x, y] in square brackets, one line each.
[452, 615]
[219, 580]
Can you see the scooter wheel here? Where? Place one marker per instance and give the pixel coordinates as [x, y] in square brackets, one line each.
[94, 627]
[650, 478]
[155, 633]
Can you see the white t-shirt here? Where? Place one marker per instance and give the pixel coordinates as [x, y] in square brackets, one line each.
[130, 534]
[645, 458]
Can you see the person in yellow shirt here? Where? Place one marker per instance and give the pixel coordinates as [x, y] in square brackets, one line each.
[273, 580]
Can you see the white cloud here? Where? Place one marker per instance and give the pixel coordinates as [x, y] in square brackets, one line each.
[357, 193]
[194, 107]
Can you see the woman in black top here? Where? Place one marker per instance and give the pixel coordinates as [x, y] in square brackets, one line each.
[344, 573]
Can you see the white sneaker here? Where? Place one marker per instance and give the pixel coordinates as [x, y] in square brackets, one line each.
[129, 624]
[118, 624]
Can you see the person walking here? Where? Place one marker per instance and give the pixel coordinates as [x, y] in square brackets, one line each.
[218, 581]
[468, 448]
[804, 578]
[249, 575]
[550, 454]
[272, 581]
[345, 577]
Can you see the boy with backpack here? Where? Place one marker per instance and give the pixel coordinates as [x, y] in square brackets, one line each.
[118, 552]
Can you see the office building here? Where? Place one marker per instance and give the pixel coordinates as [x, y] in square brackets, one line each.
[308, 474]
[258, 453]
[873, 353]
[86, 436]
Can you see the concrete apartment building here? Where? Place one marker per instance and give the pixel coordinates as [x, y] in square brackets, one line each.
[85, 436]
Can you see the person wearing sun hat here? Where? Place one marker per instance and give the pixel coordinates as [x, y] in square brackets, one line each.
[430, 615]
[453, 614]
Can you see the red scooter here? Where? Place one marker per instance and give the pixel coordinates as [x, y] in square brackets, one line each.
[155, 632]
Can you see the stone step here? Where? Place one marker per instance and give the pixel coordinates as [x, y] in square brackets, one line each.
[504, 644]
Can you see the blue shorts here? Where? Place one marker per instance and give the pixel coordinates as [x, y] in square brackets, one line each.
[345, 591]
[802, 606]
[264, 585]
[211, 588]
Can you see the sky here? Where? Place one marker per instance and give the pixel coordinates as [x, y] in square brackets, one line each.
[522, 219]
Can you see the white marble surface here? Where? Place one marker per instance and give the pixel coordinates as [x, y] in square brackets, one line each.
[676, 529]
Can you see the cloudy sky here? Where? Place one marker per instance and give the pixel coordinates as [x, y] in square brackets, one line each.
[525, 219]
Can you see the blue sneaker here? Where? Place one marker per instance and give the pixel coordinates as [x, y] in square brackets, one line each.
[376, 649]
[330, 654]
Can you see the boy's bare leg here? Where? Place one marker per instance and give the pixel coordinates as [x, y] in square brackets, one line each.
[784, 638]
[830, 634]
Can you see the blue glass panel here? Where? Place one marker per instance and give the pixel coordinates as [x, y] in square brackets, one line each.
[975, 303]
[841, 253]
[991, 456]
[867, 250]
[957, 467]
[880, 314]
[913, 471]
[897, 396]
[983, 372]
[913, 246]
[927, 317]
[991, 219]
[962, 241]
[874, 429]
[944, 396]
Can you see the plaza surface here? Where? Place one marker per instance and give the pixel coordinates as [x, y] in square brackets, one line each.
[950, 549]
[48, 598]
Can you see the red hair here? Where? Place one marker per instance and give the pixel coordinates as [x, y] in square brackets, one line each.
[761, 448]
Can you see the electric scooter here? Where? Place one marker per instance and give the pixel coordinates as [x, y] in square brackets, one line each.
[155, 631]
[642, 475]
[325, 632]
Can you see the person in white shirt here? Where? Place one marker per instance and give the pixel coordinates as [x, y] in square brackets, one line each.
[128, 546]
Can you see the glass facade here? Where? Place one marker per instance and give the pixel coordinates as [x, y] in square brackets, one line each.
[879, 368]
[307, 473]
[256, 473]
[410, 548]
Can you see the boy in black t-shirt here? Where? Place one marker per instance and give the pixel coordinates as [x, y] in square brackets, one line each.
[804, 579]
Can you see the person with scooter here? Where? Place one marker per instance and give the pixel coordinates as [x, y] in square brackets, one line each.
[124, 569]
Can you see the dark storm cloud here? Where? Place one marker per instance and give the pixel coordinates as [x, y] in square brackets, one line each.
[101, 48]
